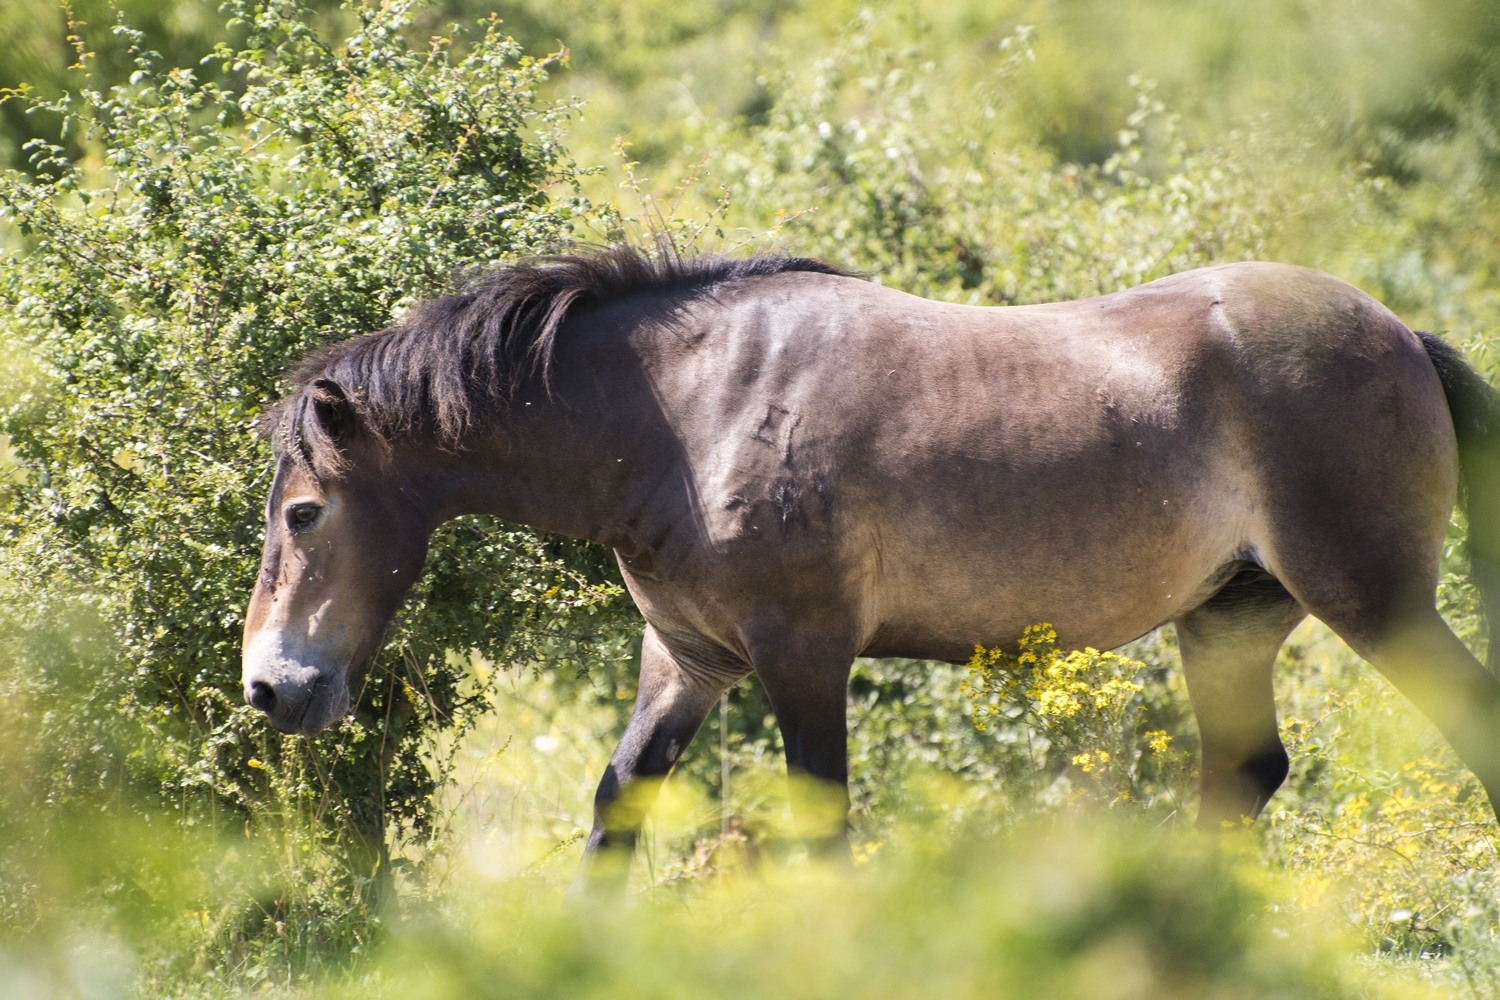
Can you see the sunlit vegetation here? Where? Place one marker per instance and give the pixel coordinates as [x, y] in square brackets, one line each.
[1022, 826]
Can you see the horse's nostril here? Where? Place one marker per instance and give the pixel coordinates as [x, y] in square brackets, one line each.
[262, 696]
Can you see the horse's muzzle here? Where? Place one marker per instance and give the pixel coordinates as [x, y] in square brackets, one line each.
[296, 697]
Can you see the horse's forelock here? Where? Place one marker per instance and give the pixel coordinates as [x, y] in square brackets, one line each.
[294, 431]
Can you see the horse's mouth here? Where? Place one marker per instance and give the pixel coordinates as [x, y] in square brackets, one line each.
[325, 703]
[329, 701]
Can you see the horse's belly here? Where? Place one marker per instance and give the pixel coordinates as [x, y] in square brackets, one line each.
[1098, 581]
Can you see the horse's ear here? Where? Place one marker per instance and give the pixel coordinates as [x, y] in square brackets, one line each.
[334, 411]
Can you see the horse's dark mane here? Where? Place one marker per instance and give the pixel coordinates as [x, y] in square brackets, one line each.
[452, 358]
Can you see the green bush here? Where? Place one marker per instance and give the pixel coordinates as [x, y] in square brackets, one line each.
[210, 239]
[915, 176]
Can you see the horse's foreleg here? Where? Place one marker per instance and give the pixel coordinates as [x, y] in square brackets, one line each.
[809, 692]
[673, 698]
[1229, 646]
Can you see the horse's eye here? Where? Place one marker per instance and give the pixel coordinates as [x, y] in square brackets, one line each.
[300, 516]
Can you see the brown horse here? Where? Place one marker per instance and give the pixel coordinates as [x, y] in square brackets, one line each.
[796, 468]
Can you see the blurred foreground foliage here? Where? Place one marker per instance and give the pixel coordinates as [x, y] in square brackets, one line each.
[189, 234]
[1046, 910]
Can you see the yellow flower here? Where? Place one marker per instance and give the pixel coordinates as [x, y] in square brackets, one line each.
[1091, 761]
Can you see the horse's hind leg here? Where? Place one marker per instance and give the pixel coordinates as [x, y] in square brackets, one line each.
[1432, 667]
[1229, 645]
[674, 695]
[1376, 590]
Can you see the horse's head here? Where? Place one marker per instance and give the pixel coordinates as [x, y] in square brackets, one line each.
[346, 533]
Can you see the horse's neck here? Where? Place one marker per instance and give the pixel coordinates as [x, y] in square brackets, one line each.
[591, 460]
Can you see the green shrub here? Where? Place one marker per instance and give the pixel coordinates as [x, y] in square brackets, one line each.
[917, 178]
[210, 239]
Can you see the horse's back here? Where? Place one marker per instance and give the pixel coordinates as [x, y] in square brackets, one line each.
[950, 474]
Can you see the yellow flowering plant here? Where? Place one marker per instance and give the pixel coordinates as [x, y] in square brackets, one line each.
[1083, 707]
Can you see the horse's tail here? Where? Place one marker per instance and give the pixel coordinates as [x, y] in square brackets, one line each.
[1475, 407]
